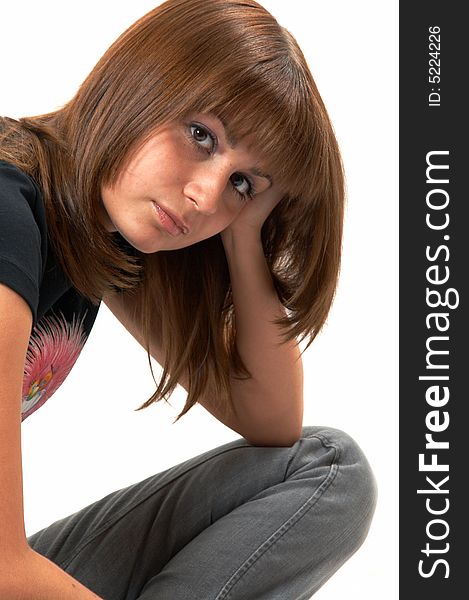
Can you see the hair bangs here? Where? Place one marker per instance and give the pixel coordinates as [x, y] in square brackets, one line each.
[275, 116]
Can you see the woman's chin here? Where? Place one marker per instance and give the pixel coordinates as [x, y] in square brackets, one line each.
[147, 244]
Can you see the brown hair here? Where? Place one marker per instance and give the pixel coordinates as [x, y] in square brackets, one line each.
[233, 59]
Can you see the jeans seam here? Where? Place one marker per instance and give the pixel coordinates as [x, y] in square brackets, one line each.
[288, 524]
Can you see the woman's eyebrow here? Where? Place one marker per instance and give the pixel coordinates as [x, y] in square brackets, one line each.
[230, 138]
[260, 173]
[232, 141]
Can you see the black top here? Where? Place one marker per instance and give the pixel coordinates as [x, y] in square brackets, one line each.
[62, 317]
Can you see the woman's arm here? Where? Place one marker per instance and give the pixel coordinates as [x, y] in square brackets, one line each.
[269, 406]
[24, 574]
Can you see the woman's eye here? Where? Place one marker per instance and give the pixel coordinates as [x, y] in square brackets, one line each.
[203, 137]
[206, 141]
[242, 185]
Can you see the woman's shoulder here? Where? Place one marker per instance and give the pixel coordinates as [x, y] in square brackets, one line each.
[15, 179]
[23, 233]
[18, 193]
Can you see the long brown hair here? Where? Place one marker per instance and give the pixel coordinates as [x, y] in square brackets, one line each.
[234, 60]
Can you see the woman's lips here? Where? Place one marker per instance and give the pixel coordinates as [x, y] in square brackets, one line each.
[169, 222]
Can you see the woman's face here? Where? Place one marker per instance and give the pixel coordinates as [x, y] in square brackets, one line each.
[188, 182]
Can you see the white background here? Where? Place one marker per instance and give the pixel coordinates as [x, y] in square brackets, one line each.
[87, 441]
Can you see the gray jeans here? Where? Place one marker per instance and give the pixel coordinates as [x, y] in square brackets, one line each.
[238, 522]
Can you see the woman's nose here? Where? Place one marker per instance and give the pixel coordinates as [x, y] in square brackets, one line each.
[205, 190]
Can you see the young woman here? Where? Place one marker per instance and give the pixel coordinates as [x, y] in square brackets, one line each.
[194, 185]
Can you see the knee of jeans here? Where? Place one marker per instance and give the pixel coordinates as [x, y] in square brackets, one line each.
[354, 484]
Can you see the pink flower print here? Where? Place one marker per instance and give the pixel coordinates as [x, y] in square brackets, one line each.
[54, 347]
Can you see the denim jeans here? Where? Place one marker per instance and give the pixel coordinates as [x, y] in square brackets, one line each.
[238, 522]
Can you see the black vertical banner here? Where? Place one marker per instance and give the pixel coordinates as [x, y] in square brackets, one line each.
[434, 270]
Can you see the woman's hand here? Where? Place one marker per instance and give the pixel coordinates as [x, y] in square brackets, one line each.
[253, 214]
